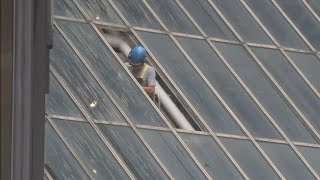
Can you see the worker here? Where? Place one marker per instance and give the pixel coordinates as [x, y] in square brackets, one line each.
[144, 73]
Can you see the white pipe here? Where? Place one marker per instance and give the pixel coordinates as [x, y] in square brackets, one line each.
[117, 42]
[172, 109]
[165, 100]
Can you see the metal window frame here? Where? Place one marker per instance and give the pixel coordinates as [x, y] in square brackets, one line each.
[113, 100]
[69, 147]
[140, 126]
[153, 57]
[169, 125]
[287, 98]
[90, 121]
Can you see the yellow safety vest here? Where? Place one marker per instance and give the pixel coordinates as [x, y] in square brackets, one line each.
[144, 71]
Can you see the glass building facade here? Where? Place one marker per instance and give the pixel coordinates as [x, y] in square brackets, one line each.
[247, 71]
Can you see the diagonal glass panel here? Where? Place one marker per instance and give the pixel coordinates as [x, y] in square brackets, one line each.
[312, 155]
[315, 6]
[137, 14]
[59, 103]
[100, 10]
[298, 90]
[66, 8]
[207, 18]
[276, 24]
[309, 65]
[172, 16]
[93, 98]
[242, 21]
[58, 159]
[133, 152]
[249, 159]
[287, 161]
[265, 92]
[45, 178]
[190, 83]
[211, 156]
[229, 88]
[303, 19]
[111, 73]
[172, 154]
[91, 150]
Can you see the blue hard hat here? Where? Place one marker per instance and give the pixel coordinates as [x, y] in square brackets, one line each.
[137, 55]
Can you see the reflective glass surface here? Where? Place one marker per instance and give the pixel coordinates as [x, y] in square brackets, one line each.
[264, 90]
[91, 150]
[112, 75]
[242, 21]
[137, 14]
[292, 83]
[206, 17]
[172, 154]
[303, 19]
[276, 24]
[190, 83]
[66, 8]
[71, 69]
[58, 160]
[287, 161]
[312, 155]
[250, 159]
[100, 10]
[133, 152]
[58, 101]
[211, 156]
[172, 16]
[315, 6]
[229, 88]
[309, 65]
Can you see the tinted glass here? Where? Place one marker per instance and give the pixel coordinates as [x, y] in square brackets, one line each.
[207, 18]
[303, 19]
[249, 159]
[137, 14]
[287, 161]
[190, 83]
[112, 74]
[276, 24]
[172, 154]
[172, 16]
[91, 150]
[312, 155]
[264, 90]
[58, 160]
[66, 8]
[292, 82]
[314, 5]
[100, 10]
[59, 103]
[133, 152]
[309, 65]
[242, 21]
[229, 88]
[69, 66]
[211, 156]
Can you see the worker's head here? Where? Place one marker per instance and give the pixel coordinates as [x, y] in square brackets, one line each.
[137, 56]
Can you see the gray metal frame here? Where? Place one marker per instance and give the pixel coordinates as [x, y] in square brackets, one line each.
[247, 45]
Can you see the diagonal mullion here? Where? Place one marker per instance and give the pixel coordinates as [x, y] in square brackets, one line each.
[91, 122]
[169, 125]
[115, 103]
[306, 121]
[282, 133]
[73, 152]
[133, 31]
